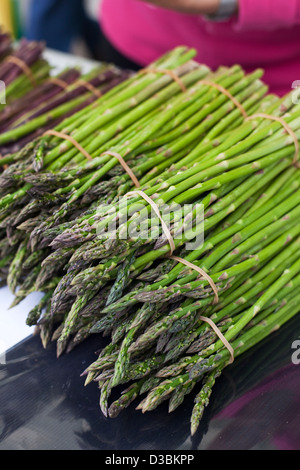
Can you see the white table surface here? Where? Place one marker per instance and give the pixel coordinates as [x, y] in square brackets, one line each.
[13, 328]
[60, 61]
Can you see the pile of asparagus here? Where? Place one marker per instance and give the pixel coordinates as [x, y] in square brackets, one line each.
[76, 229]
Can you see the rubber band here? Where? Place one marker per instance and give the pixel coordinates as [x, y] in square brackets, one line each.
[200, 271]
[125, 166]
[171, 73]
[59, 82]
[89, 87]
[221, 336]
[288, 129]
[5, 167]
[157, 212]
[70, 139]
[226, 93]
[23, 66]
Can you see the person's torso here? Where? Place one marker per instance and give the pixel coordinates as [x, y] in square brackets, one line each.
[143, 32]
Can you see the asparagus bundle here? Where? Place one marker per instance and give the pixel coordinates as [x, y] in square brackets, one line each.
[193, 148]
[23, 69]
[51, 102]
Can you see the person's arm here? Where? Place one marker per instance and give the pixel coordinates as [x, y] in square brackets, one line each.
[264, 15]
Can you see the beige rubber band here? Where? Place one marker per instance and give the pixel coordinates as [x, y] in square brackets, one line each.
[24, 67]
[5, 167]
[221, 336]
[157, 212]
[216, 301]
[59, 82]
[286, 127]
[203, 274]
[89, 87]
[125, 166]
[70, 139]
[171, 73]
[226, 93]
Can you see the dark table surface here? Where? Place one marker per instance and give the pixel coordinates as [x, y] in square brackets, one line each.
[45, 406]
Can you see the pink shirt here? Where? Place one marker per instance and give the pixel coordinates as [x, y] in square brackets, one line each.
[265, 34]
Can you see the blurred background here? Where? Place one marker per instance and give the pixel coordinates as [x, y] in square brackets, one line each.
[58, 22]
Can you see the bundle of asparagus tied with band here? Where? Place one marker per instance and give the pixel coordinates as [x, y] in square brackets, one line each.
[74, 226]
[22, 70]
[50, 103]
